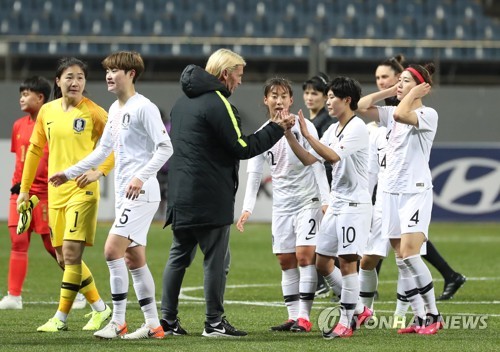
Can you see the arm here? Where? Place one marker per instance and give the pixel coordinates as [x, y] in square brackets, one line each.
[366, 104]
[253, 184]
[225, 122]
[82, 171]
[323, 151]
[322, 181]
[33, 157]
[405, 111]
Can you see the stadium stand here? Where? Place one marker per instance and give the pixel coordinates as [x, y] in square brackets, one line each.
[283, 29]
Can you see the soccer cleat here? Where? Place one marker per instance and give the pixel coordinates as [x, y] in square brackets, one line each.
[434, 324]
[97, 318]
[145, 332]
[223, 329]
[414, 328]
[361, 318]
[451, 287]
[340, 331]
[111, 331]
[301, 325]
[53, 325]
[11, 302]
[25, 210]
[174, 329]
[80, 302]
[322, 291]
[286, 326]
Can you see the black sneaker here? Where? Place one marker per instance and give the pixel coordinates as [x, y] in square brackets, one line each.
[174, 329]
[286, 326]
[224, 329]
[452, 286]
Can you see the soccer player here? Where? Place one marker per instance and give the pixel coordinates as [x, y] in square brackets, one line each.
[314, 96]
[386, 75]
[137, 135]
[407, 200]
[34, 91]
[299, 192]
[345, 226]
[71, 126]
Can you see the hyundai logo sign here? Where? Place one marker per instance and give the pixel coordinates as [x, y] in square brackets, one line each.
[466, 183]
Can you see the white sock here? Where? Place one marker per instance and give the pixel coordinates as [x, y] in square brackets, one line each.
[349, 298]
[144, 286]
[411, 290]
[119, 282]
[334, 280]
[368, 282]
[290, 286]
[402, 302]
[423, 279]
[98, 306]
[307, 288]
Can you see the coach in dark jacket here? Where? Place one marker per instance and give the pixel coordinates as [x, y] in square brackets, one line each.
[203, 180]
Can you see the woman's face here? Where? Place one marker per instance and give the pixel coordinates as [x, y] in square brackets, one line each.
[278, 99]
[314, 99]
[405, 84]
[385, 77]
[336, 106]
[72, 82]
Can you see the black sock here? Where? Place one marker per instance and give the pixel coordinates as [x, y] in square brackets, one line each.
[438, 262]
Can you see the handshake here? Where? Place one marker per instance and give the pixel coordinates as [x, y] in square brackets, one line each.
[284, 119]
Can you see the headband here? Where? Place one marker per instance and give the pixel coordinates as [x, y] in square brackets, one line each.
[322, 79]
[416, 73]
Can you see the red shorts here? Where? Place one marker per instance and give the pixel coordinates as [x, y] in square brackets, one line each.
[39, 217]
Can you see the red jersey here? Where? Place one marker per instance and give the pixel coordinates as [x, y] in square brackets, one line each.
[20, 140]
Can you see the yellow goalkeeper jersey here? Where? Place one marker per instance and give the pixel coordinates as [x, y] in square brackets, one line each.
[71, 136]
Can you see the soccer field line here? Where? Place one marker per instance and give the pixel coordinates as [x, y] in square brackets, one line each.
[185, 298]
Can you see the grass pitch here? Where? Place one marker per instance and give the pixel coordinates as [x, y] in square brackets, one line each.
[254, 300]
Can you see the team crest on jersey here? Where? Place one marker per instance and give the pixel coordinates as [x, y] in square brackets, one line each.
[126, 121]
[79, 124]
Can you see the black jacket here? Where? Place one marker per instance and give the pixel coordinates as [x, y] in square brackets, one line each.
[208, 145]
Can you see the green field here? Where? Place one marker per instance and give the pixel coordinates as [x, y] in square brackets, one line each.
[254, 301]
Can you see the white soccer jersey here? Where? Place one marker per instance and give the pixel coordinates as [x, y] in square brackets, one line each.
[408, 150]
[295, 186]
[133, 132]
[350, 173]
[377, 160]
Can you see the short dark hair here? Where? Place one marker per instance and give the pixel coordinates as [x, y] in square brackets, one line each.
[318, 82]
[343, 87]
[37, 84]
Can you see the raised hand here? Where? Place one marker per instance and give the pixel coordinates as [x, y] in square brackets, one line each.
[421, 90]
[303, 126]
[284, 119]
